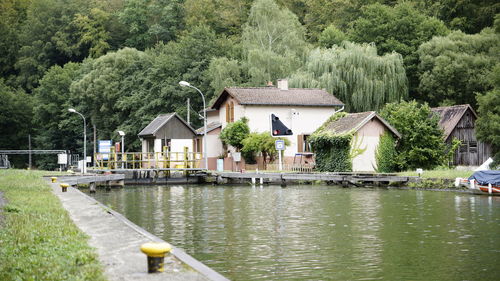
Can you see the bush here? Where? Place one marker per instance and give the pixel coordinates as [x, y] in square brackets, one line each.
[234, 133]
[422, 141]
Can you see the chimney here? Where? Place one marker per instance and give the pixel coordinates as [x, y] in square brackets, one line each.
[283, 84]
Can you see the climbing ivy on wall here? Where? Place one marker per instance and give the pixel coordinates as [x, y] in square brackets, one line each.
[386, 154]
[333, 151]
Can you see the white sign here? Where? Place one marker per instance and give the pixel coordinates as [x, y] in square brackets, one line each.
[279, 144]
[236, 156]
[104, 148]
[62, 159]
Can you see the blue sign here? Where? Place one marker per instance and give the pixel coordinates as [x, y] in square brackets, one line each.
[279, 144]
[104, 148]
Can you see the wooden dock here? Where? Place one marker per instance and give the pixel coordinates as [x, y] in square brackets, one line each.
[344, 179]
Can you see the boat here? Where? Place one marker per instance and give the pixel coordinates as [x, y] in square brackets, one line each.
[482, 182]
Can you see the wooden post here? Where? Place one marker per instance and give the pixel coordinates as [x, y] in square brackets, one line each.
[186, 158]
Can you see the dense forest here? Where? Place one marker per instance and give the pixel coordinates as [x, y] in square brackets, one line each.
[118, 62]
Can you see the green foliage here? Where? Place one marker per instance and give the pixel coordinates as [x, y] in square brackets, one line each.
[51, 105]
[263, 144]
[332, 151]
[331, 36]
[234, 133]
[15, 120]
[223, 16]
[273, 42]
[39, 240]
[386, 154]
[456, 67]
[400, 29]
[469, 16]
[151, 22]
[356, 75]
[224, 72]
[488, 123]
[421, 144]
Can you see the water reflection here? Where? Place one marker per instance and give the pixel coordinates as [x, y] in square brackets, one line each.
[321, 232]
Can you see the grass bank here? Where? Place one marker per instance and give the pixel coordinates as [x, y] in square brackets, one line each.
[38, 240]
[440, 174]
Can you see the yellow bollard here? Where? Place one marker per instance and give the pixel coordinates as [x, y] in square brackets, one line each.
[64, 187]
[54, 179]
[156, 255]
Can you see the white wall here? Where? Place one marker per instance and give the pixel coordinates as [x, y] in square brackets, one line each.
[305, 120]
[368, 138]
[214, 144]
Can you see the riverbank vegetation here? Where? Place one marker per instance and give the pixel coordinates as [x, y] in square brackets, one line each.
[119, 62]
[38, 239]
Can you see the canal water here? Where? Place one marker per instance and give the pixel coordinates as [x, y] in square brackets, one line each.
[316, 232]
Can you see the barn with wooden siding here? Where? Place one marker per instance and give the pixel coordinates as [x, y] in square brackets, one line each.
[458, 122]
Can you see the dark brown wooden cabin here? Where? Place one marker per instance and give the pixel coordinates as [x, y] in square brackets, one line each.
[458, 122]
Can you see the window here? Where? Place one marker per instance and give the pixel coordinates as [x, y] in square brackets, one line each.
[473, 147]
[229, 112]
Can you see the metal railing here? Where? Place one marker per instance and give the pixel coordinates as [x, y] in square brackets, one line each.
[148, 160]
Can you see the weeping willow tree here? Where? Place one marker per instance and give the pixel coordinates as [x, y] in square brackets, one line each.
[356, 75]
[273, 42]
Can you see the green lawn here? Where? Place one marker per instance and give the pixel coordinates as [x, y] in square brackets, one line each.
[441, 174]
[38, 240]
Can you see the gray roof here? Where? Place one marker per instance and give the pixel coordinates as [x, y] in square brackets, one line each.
[276, 96]
[355, 121]
[210, 127]
[159, 122]
[449, 116]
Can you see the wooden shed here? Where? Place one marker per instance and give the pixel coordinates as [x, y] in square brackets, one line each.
[167, 130]
[458, 122]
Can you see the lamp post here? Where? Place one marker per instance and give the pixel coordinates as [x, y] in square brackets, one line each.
[72, 110]
[122, 134]
[186, 84]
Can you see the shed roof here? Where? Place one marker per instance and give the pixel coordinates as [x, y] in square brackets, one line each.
[210, 127]
[159, 122]
[449, 116]
[355, 121]
[277, 96]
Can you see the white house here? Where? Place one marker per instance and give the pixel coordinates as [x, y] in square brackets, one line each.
[302, 110]
[366, 127]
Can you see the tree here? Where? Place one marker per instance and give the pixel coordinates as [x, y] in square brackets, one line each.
[488, 123]
[422, 141]
[262, 144]
[273, 42]
[234, 133]
[331, 36]
[150, 22]
[13, 14]
[456, 67]
[223, 16]
[469, 16]
[54, 128]
[109, 90]
[400, 29]
[356, 75]
[15, 119]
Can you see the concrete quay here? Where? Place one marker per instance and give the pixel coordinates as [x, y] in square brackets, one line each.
[118, 242]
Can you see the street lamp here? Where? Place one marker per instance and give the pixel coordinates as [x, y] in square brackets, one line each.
[186, 84]
[72, 110]
[122, 134]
